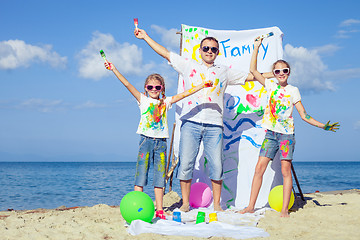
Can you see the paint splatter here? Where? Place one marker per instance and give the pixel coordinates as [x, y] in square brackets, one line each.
[161, 165]
[248, 86]
[253, 100]
[154, 116]
[284, 148]
[193, 72]
[264, 143]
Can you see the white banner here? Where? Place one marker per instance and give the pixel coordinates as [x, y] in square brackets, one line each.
[243, 110]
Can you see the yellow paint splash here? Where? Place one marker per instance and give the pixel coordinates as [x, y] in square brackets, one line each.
[261, 91]
[195, 51]
[161, 165]
[248, 86]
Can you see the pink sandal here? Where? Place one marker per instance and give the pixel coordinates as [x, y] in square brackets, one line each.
[160, 214]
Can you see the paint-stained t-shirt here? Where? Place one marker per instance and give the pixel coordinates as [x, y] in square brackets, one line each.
[278, 112]
[153, 120]
[206, 105]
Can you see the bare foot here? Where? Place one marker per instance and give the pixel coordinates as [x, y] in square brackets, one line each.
[284, 214]
[217, 208]
[185, 208]
[247, 210]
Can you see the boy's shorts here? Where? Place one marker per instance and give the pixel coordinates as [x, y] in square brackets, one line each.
[278, 141]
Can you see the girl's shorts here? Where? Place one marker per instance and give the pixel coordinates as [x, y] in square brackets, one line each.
[151, 150]
[278, 141]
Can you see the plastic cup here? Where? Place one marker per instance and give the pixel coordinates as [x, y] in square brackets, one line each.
[213, 217]
[177, 216]
[200, 217]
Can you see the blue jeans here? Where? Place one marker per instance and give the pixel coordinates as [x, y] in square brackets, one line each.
[191, 135]
[151, 150]
[274, 142]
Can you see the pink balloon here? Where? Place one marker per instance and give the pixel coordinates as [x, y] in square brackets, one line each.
[200, 195]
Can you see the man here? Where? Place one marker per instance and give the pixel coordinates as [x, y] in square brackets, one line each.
[202, 114]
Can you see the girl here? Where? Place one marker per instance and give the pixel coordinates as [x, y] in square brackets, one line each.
[153, 130]
[279, 123]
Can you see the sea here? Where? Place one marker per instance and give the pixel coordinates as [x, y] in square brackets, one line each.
[33, 185]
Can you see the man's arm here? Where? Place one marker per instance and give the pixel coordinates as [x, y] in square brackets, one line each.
[162, 51]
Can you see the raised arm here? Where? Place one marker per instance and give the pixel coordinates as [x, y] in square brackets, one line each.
[307, 118]
[253, 63]
[162, 51]
[191, 91]
[123, 80]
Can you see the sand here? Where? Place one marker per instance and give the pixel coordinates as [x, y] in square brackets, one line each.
[326, 215]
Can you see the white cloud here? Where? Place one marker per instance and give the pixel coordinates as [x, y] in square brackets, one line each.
[127, 57]
[343, 74]
[89, 104]
[48, 106]
[328, 49]
[17, 53]
[357, 125]
[307, 69]
[42, 105]
[345, 33]
[349, 22]
[169, 38]
[347, 28]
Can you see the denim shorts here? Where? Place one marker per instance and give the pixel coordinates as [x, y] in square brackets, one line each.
[151, 150]
[191, 135]
[278, 141]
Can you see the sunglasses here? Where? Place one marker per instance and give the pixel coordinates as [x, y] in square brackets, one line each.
[213, 49]
[156, 87]
[284, 70]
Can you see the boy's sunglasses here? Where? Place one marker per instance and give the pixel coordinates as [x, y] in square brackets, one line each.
[157, 87]
[213, 49]
[284, 70]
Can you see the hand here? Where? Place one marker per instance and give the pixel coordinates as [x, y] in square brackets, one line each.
[258, 41]
[208, 83]
[139, 33]
[109, 66]
[331, 127]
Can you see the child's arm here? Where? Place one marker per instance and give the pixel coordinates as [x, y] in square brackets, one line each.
[127, 84]
[193, 90]
[253, 65]
[307, 118]
[162, 51]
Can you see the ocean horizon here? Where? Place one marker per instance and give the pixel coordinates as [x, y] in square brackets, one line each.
[32, 185]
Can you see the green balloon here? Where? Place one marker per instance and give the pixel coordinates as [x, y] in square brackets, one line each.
[137, 205]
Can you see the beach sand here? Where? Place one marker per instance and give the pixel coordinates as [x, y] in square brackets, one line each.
[326, 215]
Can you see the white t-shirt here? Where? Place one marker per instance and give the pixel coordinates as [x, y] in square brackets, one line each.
[278, 112]
[153, 120]
[206, 105]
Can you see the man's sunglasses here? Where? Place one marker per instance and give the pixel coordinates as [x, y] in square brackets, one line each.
[213, 49]
[284, 70]
[157, 87]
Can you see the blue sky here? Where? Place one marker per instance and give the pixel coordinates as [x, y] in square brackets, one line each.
[58, 102]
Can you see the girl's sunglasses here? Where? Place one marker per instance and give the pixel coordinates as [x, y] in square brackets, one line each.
[213, 49]
[284, 70]
[156, 87]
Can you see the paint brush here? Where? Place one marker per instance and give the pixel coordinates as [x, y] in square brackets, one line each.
[266, 35]
[136, 22]
[104, 57]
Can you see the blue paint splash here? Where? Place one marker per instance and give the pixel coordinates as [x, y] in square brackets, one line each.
[227, 146]
[240, 122]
